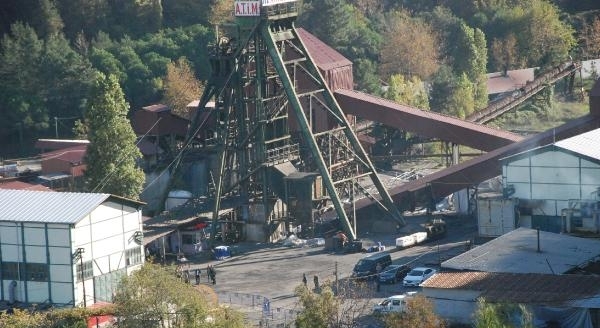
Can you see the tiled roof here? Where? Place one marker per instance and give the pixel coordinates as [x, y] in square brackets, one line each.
[519, 287]
[20, 185]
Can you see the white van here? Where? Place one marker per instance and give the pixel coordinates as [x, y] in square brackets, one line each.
[396, 303]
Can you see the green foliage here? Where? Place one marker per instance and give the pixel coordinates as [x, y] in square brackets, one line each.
[542, 38]
[58, 318]
[319, 309]
[411, 47]
[408, 91]
[461, 102]
[39, 79]
[500, 315]
[24, 319]
[340, 305]
[112, 154]
[365, 76]
[154, 296]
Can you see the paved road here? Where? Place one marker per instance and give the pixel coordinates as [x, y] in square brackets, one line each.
[273, 271]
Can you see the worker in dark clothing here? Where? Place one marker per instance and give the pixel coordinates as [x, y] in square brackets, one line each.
[213, 275]
[304, 281]
[316, 281]
[197, 276]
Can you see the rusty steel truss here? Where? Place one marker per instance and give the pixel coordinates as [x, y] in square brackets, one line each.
[272, 106]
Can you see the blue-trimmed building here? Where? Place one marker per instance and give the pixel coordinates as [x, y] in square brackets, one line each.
[66, 249]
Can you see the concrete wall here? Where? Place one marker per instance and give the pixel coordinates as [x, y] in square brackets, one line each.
[453, 305]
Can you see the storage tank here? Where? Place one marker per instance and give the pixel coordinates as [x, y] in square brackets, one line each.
[176, 198]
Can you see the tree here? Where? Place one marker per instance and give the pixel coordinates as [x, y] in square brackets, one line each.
[154, 296]
[49, 20]
[340, 306]
[502, 315]
[411, 47]
[329, 20]
[221, 11]
[542, 38]
[504, 53]
[590, 39]
[181, 87]
[419, 313]
[407, 91]
[112, 153]
[40, 79]
[461, 102]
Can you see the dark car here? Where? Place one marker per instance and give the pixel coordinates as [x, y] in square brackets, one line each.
[393, 273]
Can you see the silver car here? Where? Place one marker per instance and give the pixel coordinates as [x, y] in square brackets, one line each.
[417, 275]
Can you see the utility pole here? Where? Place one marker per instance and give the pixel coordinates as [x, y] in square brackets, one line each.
[56, 127]
[337, 287]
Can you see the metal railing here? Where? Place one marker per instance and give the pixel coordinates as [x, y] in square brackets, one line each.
[258, 310]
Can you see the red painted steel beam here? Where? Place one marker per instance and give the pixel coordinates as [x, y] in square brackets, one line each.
[423, 123]
[470, 173]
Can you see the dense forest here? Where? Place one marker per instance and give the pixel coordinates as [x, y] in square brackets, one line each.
[51, 50]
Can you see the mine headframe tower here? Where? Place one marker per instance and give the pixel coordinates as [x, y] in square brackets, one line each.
[273, 106]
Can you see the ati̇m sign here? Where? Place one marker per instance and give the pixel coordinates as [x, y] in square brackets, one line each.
[252, 8]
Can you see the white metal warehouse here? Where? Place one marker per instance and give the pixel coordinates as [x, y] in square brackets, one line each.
[51, 242]
[557, 186]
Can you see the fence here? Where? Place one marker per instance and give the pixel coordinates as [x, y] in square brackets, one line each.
[258, 310]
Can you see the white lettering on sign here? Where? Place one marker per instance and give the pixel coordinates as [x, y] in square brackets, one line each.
[274, 2]
[247, 8]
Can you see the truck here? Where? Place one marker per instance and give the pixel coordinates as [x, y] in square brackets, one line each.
[395, 303]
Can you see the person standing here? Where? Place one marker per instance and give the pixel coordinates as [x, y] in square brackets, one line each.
[208, 273]
[316, 281]
[198, 276]
[213, 275]
[304, 281]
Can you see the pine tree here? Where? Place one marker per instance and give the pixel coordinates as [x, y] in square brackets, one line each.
[112, 154]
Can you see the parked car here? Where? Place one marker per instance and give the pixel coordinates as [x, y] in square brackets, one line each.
[367, 267]
[394, 273]
[417, 275]
[396, 303]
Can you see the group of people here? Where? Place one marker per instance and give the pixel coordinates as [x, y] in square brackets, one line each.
[211, 275]
[315, 280]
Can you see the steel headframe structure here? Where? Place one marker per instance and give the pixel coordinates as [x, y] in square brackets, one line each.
[268, 95]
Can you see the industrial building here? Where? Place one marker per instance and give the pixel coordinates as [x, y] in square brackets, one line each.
[66, 249]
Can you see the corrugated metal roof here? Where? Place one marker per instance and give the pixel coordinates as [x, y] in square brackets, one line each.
[519, 288]
[516, 252]
[46, 206]
[325, 57]
[73, 155]
[587, 144]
